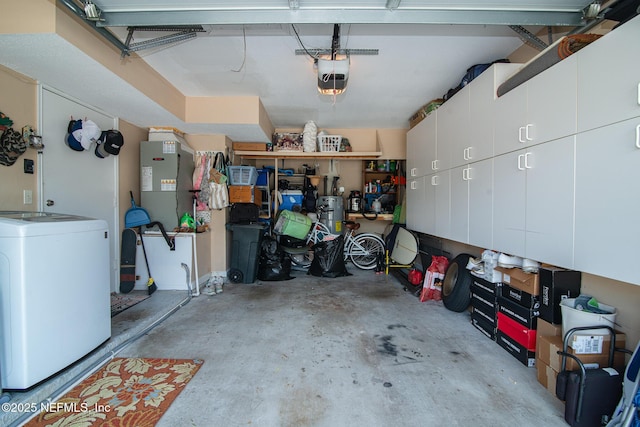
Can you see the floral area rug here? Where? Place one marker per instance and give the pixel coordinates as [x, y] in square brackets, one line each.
[124, 392]
[120, 302]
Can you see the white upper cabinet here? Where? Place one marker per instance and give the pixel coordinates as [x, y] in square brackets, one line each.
[482, 96]
[421, 147]
[509, 120]
[609, 78]
[551, 102]
[453, 130]
[540, 110]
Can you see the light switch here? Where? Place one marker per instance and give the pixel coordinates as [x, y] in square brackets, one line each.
[28, 197]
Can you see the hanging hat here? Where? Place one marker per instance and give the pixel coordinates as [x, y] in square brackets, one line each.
[110, 142]
[90, 133]
[74, 135]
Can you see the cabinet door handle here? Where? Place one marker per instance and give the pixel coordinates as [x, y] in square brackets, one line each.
[466, 153]
[520, 136]
[520, 157]
[466, 174]
[414, 171]
[526, 132]
[526, 161]
[638, 93]
[435, 165]
[638, 136]
[434, 180]
[414, 185]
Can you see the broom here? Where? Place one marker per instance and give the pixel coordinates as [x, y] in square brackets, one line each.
[151, 285]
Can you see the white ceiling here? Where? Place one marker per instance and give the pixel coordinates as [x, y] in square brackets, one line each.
[417, 61]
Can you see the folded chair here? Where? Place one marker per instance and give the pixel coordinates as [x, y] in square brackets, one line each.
[626, 413]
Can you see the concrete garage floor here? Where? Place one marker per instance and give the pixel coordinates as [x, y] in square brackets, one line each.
[355, 351]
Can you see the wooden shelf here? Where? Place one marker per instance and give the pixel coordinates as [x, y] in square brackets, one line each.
[308, 155]
[380, 217]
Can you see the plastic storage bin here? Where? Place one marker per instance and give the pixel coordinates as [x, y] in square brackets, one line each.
[245, 251]
[293, 224]
[263, 178]
[242, 175]
[574, 318]
[291, 200]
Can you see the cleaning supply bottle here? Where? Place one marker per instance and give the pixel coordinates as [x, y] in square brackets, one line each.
[376, 205]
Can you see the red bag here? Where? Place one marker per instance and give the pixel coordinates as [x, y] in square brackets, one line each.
[432, 286]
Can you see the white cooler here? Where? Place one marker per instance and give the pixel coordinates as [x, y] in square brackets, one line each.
[54, 293]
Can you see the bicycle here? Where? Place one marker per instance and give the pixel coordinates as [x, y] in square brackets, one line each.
[361, 249]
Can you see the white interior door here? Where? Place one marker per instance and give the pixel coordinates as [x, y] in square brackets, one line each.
[77, 182]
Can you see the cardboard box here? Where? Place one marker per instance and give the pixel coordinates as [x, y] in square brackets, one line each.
[555, 285]
[525, 316]
[166, 134]
[526, 357]
[485, 285]
[518, 279]
[287, 142]
[245, 194]
[486, 317]
[521, 334]
[485, 303]
[546, 376]
[548, 348]
[519, 296]
[249, 146]
[480, 323]
[545, 328]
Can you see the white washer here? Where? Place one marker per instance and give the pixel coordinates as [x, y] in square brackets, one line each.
[54, 293]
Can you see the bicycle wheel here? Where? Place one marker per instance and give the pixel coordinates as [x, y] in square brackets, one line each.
[364, 250]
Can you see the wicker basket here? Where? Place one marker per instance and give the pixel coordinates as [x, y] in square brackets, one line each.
[329, 143]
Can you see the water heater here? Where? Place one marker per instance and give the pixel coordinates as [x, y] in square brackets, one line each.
[332, 212]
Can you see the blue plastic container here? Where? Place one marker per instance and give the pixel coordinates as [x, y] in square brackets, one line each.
[263, 177]
[291, 200]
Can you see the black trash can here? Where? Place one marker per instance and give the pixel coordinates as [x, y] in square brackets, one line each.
[245, 250]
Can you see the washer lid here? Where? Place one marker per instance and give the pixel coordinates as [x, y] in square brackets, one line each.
[25, 223]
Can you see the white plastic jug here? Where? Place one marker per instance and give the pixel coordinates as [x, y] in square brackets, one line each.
[376, 206]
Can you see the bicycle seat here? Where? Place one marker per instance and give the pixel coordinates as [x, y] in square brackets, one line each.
[352, 225]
